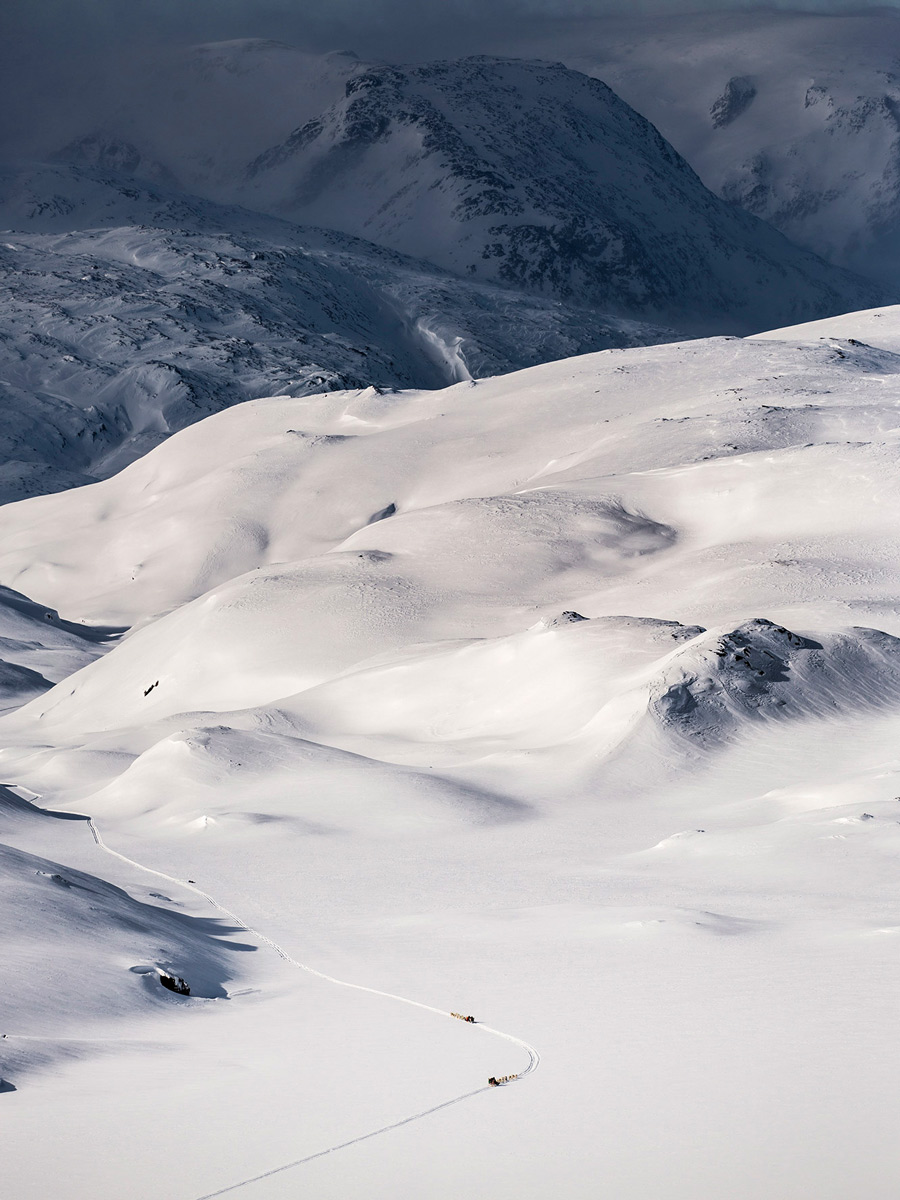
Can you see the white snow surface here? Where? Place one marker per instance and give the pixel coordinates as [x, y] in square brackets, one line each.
[568, 699]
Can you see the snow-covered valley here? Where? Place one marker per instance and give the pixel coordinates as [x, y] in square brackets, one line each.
[568, 699]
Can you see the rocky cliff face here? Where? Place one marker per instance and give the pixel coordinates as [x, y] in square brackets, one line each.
[539, 177]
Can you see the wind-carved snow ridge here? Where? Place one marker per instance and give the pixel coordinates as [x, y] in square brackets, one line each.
[38, 647]
[534, 1057]
[93, 940]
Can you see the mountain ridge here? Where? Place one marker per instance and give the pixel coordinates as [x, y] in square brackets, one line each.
[533, 175]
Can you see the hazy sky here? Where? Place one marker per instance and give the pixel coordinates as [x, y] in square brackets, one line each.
[66, 25]
[78, 55]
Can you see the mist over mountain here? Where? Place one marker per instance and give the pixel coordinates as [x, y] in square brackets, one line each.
[533, 175]
[792, 116]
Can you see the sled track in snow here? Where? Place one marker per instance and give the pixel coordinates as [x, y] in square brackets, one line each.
[342, 1145]
[533, 1057]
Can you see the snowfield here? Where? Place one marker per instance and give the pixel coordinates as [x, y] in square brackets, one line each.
[568, 699]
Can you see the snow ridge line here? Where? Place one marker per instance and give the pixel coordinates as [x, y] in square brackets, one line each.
[534, 1057]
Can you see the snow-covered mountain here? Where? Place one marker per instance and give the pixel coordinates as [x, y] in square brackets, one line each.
[491, 697]
[613, 460]
[792, 115]
[353, 687]
[128, 312]
[539, 177]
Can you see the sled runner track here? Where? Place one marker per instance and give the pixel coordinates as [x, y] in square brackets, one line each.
[232, 1187]
[533, 1057]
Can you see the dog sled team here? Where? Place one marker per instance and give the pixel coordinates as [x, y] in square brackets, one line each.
[494, 1081]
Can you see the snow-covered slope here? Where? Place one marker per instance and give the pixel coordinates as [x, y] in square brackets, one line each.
[128, 312]
[82, 957]
[38, 648]
[571, 691]
[614, 447]
[339, 557]
[792, 115]
[542, 178]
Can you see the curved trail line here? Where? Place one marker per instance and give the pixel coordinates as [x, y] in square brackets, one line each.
[533, 1057]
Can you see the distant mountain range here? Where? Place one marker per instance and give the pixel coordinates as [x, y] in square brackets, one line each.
[513, 213]
[521, 173]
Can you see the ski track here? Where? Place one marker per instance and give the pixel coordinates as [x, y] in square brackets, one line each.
[534, 1057]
